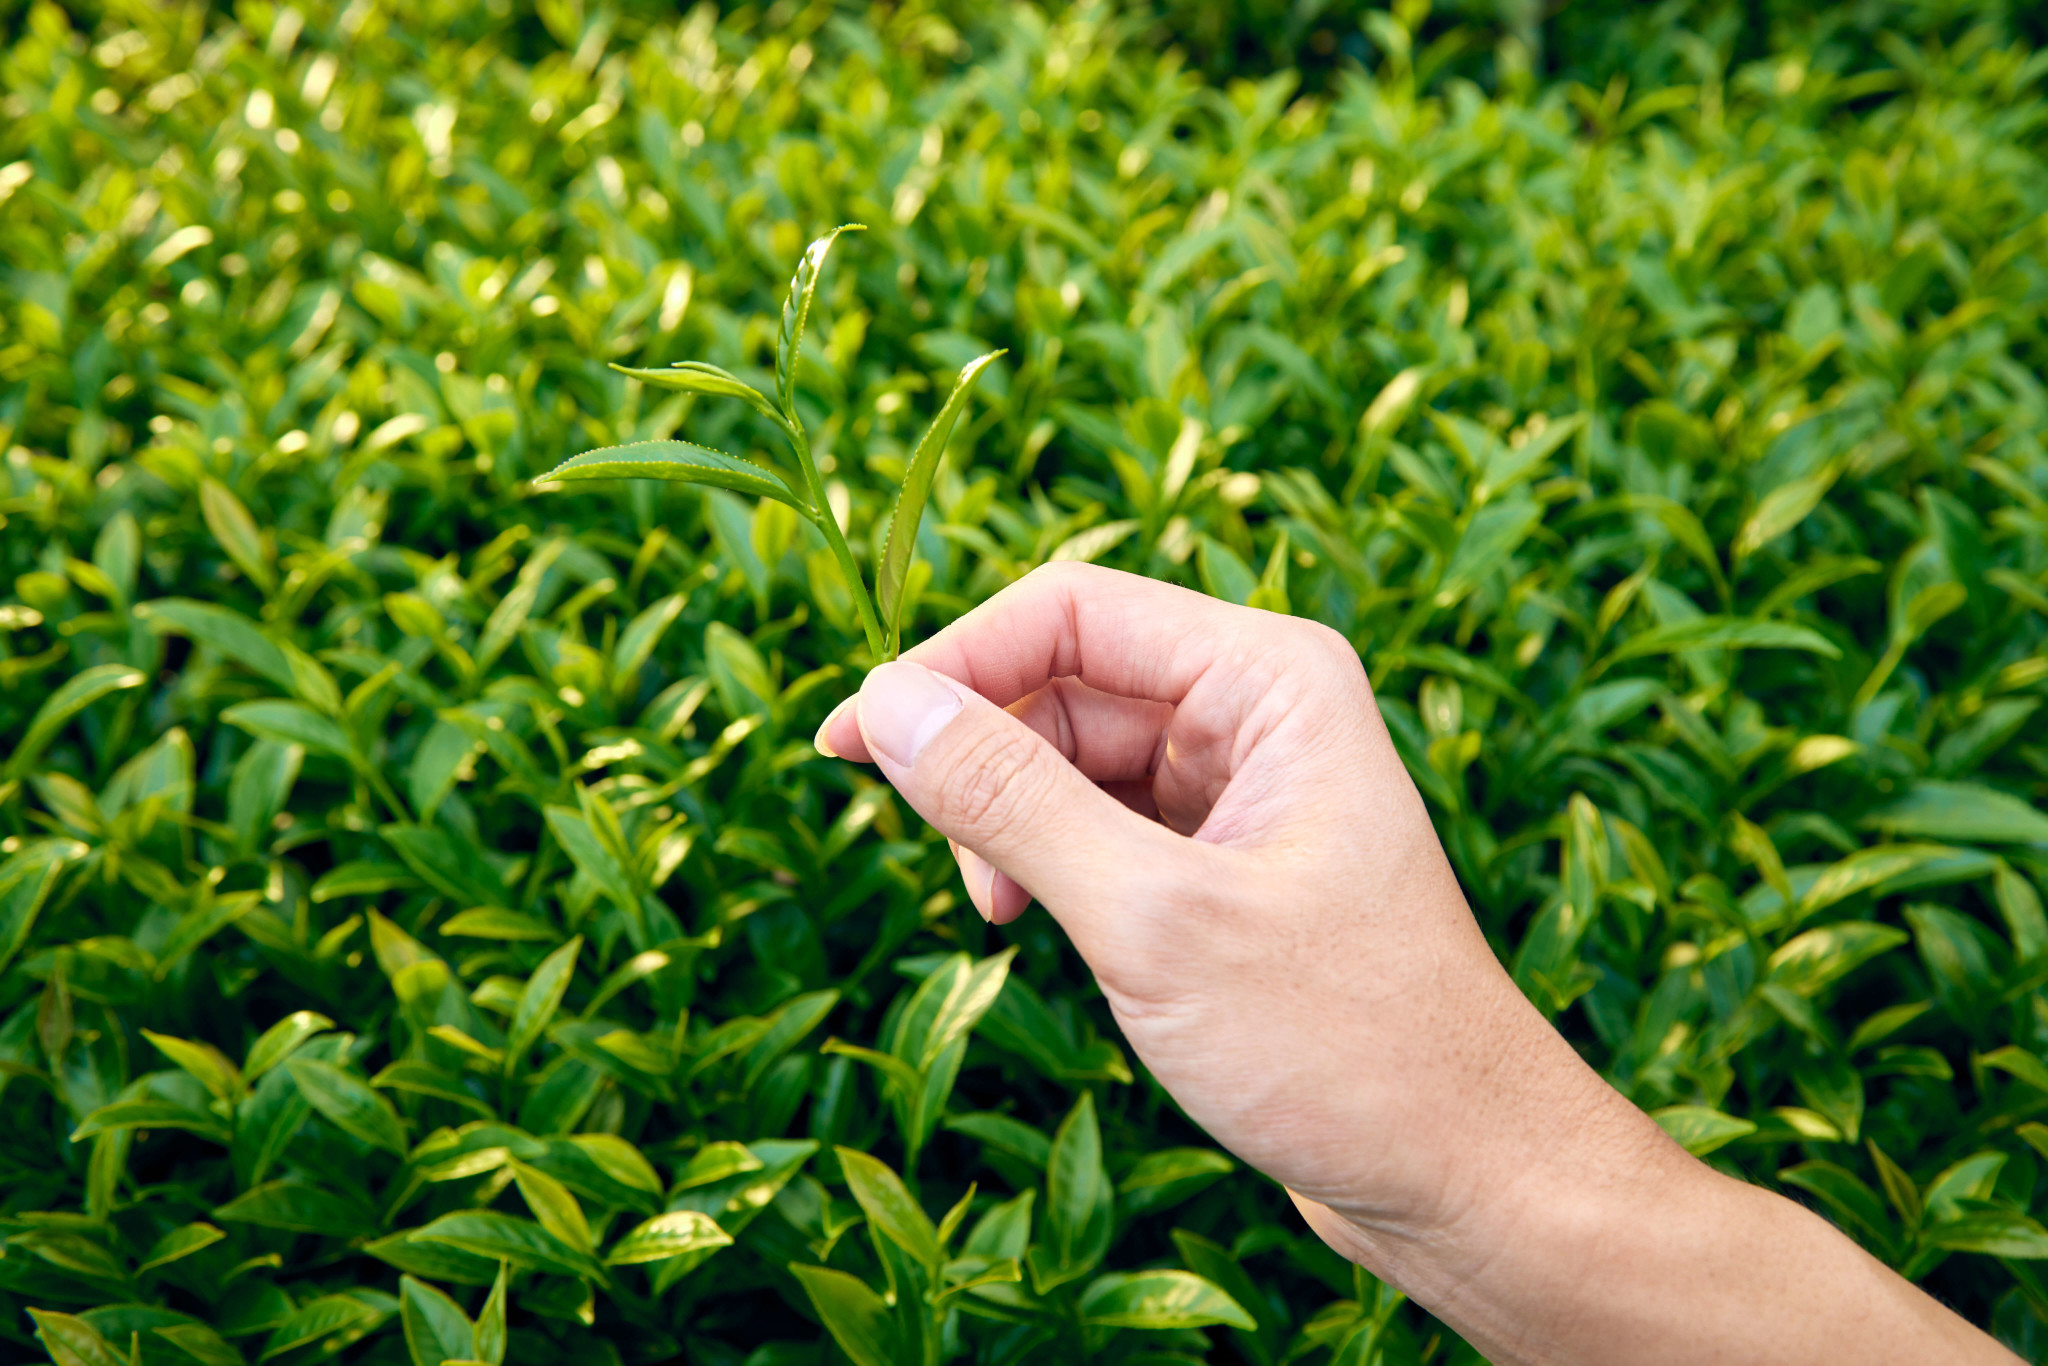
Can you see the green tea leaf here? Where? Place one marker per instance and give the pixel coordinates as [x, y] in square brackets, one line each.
[1721, 633]
[261, 785]
[27, 878]
[668, 1235]
[178, 1243]
[281, 1040]
[1810, 961]
[1079, 1201]
[150, 1114]
[1968, 813]
[696, 377]
[855, 1315]
[891, 1209]
[901, 542]
[784, 1030]
[236, 531]
[554, 1207]
[495, 922]
[1867, 869]
[796, 314]
[676, 462]
[490, 1323]
[521, 1242]
[1007, 1135]
[539, 1001]
[1167, 1177]
[436, 1260]
[436, 1329]
[299, 1207]
[74, 1252]
[71, 1341]
[291, 723]
[342, 1317]
[619, 1160]
[454, 867]
[1996, 1233]
[1844, 1194]
[223, 629]
[71, 697]
[1700, 1130]
[203, 1061]
[349, 1103]
[1159, 1300]
[201, 1343]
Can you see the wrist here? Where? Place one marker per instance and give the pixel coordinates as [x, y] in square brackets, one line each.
[1541, 1165]
[1615, 1245]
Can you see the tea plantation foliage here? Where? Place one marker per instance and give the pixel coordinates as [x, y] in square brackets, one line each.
[426, 932]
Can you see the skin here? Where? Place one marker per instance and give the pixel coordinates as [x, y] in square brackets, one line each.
[1205, 798]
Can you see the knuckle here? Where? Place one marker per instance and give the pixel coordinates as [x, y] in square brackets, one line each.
[999, 784]
[1327, 643]
[1073, 577]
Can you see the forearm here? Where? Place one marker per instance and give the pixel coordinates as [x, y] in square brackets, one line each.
[1601, 1241]
[1303, 975]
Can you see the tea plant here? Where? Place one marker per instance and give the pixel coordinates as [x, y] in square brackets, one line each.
[881, 616]
[426, 932]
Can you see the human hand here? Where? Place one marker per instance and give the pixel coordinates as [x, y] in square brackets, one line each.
[1205, 797]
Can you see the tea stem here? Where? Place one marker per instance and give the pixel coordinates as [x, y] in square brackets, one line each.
[821, 515]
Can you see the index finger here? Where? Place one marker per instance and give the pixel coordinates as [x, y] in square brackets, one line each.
[1118, 633]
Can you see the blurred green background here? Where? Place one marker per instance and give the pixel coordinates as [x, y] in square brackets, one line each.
[412, 877]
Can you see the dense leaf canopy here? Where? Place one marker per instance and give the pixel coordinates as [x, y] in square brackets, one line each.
[426, 932]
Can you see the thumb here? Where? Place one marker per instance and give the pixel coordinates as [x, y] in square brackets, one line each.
[989, 782]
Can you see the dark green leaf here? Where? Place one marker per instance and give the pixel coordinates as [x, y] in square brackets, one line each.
[349, 1104]
[291, 723]
[539, 1001]
[180, 1242]
[299, 1207]
[336, 1317]
[1965, 812]
[523, 1243]
[72, 696]
[1722, 633]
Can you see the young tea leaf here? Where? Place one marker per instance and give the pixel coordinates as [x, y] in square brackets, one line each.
[1159, 1300]
[73, 696]
[901, 542]
[1079, 1201]
[796, 314]
[891, 1209]
[677, 462]
[539, 1001]
[436, 1329]
[855, 1316]
[696, 377]
[490, 1323]
[668, 1235]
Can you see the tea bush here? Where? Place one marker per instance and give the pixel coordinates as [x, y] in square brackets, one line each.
[426, 932]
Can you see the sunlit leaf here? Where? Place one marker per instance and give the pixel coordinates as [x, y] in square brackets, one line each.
[676, 462]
